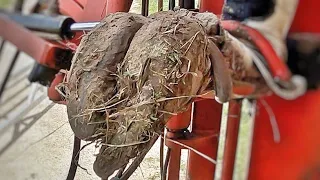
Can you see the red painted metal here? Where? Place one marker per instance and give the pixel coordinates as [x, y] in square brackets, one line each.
[203, 138]
[205, 143]
[26, 41]
[82, 3]
[118, 6]
[180, 121]
[83, 10]
[94, 10]
[174, 163]
[71, 8]
[277, 66]
[205, 125]
[214, 6]
[244, 89]
[297, 156]
[233, 124]
[305, 18]
[176, 125]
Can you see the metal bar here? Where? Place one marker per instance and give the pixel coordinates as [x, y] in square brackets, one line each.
[75, 158]
[7, 76]
[160, 5]
[175, 126]
[83, 26]
[60, 25]
[37, 22]
[181, 3]
[145, 8]
[206, 122]
[165, 166]
[39, 49]
[1, 47]
[277, 67]
[174, 164]
[233, 123]
[172, 4]
[188, 4]
[137, 161]
[252, 106]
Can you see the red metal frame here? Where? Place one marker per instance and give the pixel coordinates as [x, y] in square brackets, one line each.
[214, 6]
[205, 129]
[39, 49]
[233, 124]
[304, 21]
[206, 122]
[297, 156]
[276, 65]
[83, 10]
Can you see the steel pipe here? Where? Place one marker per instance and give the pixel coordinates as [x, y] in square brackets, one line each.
[83, 26]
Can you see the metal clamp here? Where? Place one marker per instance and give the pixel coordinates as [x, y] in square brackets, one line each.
[276, 73]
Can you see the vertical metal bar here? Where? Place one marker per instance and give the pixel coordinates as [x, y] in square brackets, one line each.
[165, 166]
[145, 8]
[172, 4]
[188, 4]
[175, 124]
[75, 158]
[174, 164]
[160, 5]
[252, 115]
[181, 3]
[1, 47]
[206, 120]
[7, 75]
[230, 149]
